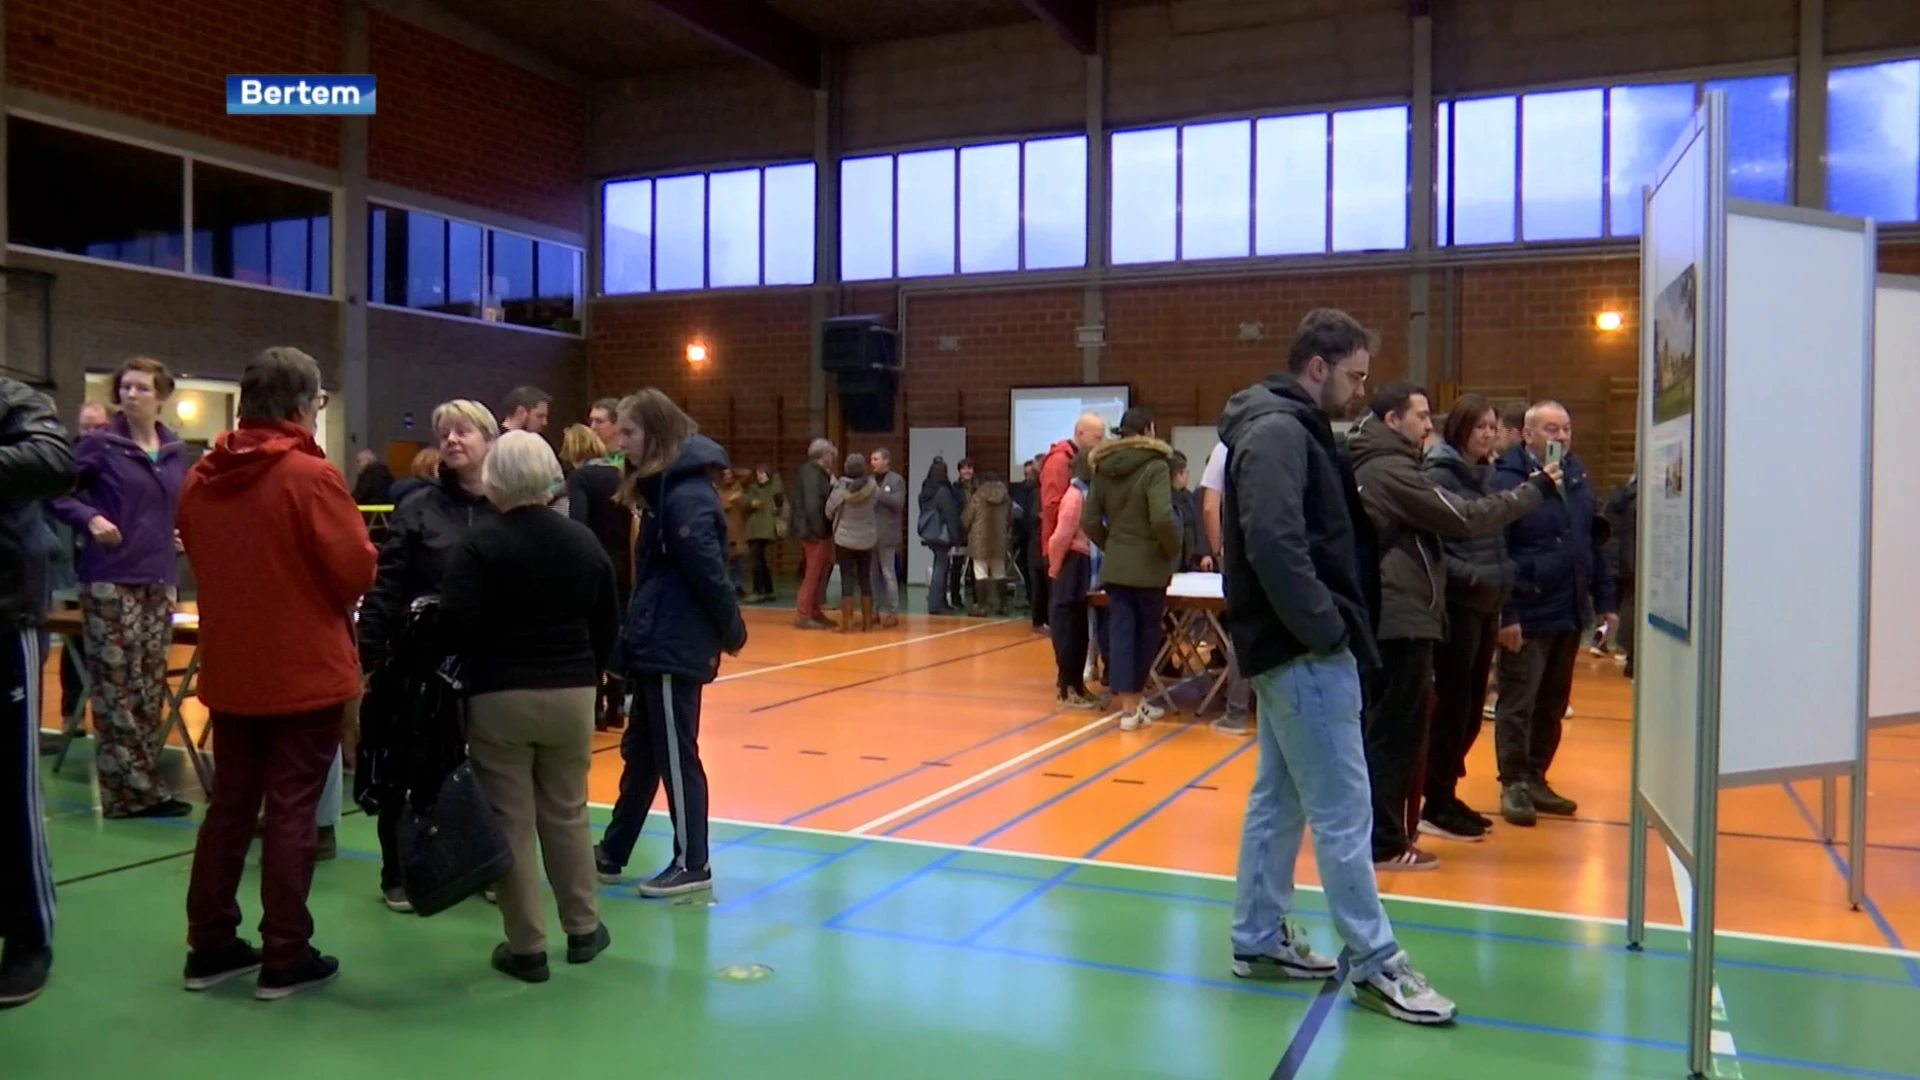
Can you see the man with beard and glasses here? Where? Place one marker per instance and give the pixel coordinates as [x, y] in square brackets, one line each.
[1301, 572]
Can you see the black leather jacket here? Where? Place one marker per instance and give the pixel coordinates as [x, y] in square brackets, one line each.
[36, 462]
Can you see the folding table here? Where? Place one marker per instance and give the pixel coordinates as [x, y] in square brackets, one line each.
[71, 628]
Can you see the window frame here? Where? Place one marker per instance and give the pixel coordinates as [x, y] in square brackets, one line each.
[336, 206]
[486, 270]
[1849, 62]
[595, 287]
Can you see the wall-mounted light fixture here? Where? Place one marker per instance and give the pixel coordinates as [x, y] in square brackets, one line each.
[696, 352]
[1609, 321]
[187, 409]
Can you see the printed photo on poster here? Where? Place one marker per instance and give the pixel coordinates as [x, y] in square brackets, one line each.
[1668, 458]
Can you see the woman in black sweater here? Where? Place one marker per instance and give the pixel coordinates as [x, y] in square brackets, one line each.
[593, 490]
[528, 604]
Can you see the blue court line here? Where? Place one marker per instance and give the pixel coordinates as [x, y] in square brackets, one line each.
[1309, 1029]
[1013, 909]
[1273, 990]
[1078, 785]
[783, 882]
[922, 767]
[1094, 852]
[1866, 900]
[1437, 928]
[837, 921]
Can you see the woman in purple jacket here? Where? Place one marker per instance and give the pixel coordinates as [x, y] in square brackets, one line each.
[128, 477]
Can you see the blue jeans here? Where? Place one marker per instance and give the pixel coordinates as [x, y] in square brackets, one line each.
[886, 585]
[1312, 773]
[328, 812]
[937, 580]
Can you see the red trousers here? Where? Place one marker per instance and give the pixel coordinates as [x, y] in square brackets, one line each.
[817, 556]
[284, 761]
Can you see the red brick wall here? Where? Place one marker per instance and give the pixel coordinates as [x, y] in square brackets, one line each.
[522, 152]
[751, 394]
[166, 62]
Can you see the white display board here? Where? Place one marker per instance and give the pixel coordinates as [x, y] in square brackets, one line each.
[923, 445]
[1893, 688]
[1040, 416]
[1794, 604]
[1674, 245]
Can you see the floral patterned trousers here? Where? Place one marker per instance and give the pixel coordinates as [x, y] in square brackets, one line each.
[129, 628]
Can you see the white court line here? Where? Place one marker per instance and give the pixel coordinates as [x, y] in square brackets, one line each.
[869, 649]
[888, 818]
[1720, 1036]
[1202, 875]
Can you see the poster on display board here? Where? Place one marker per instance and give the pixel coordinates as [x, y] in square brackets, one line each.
[1667, 563]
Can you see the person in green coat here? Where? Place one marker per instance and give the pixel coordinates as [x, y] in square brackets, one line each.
[766, 507]
[1128, 514]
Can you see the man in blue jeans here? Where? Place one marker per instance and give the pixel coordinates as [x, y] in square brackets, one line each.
[1301, 573]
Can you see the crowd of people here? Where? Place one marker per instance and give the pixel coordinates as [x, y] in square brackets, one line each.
[1375, 583]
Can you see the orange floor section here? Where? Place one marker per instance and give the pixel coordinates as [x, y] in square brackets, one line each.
[945, 730]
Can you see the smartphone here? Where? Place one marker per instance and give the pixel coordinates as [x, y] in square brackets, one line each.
[1555, 451]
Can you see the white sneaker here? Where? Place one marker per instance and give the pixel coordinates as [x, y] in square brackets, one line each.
[1569, 714]
[1150, 711]
[1135, 720]
[1403, 993]
[1291, 958]
[1490, 709]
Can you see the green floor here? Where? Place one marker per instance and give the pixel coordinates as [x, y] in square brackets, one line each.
[890, 960]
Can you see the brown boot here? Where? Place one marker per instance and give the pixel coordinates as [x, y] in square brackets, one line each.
[846, 615]
[866, 613]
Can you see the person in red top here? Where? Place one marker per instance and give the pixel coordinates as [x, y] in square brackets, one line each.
[281, 556]
[1056, 470]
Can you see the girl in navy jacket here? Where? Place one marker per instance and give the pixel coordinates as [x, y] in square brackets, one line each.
[683, 615]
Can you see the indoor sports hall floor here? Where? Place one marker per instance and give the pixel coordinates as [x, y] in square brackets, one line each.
[927, 871]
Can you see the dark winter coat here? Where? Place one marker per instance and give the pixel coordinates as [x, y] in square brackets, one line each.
[1563, 579]
[1411, 514]
[1623, 517]
[684, 613]
[1193, 537]
[421, 534]
[940, 501]
[1129, 512]
[374, 485]
[811, 486]
[114, 478]
[1479, 573]
[36, 462]
[1299, 553]
[593, 500]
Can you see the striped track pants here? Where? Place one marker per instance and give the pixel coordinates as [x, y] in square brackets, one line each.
[26, 871]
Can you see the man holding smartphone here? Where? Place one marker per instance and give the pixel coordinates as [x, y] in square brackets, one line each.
[1562, 581]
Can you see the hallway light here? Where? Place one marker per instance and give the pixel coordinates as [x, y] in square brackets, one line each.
[1609, 321]
[696, 353]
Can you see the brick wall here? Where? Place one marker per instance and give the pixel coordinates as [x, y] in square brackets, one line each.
[166, 62]
[465, 126]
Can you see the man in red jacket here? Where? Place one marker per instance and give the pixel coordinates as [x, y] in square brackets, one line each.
[1056, 469]
[282, 556]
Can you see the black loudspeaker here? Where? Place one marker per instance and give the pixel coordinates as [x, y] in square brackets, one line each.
[858, 343]
[866, 399]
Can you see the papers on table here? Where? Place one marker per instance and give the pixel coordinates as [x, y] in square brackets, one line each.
[1196, 586]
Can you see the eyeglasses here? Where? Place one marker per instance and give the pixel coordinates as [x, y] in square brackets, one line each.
[320, 401]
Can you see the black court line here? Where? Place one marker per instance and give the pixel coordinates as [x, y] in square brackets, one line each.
[1058, 775]
[814, 753]
[897, 674]
[1124, 780]
[76, 879]
[1201, 787]
[1309, 1030]
[871, 757]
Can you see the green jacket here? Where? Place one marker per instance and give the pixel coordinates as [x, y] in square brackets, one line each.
[763, 502]
[1129, 512]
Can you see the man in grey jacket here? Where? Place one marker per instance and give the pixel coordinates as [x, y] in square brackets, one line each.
[1411, 513]
[888, 520]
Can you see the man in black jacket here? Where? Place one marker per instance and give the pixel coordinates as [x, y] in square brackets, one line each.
[1299, 566]
[810, 526]
[1623, 547]
[1412, 514]
[36, 462]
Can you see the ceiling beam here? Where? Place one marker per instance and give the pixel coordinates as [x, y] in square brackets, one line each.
[1076, 20]
[755, 31]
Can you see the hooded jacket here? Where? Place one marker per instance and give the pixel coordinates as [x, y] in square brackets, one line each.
[683, 614]
[1479, 573]
[1128, 513]
[280, 555]
[116, 479]
[35, 462]
[851, 505]
[1056, 475]
[987, 520]
[1301, 574]
[413, 559]
[1563, 578]
[1411, 514]
[940, 505]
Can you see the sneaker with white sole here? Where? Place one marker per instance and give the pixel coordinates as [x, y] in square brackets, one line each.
[1292, 958]
[608, 872]
[206, 970]
[1135, 720]
[311, 971]
[676, 881]
[1151, 711]
[1233, 725]
[1403, 993]
[1410, 859]
[1074, 699]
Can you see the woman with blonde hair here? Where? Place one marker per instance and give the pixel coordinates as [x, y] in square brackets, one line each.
[421, 536]
[528, 605]
[127, 488]
[682, 617]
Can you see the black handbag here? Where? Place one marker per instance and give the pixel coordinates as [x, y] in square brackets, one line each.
[454, 848]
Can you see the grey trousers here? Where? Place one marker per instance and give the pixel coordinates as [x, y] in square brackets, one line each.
[1535, 684]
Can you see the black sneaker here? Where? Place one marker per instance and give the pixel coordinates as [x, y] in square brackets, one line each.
[1548, 801]
[206, 970]
[169, 808]
[1449, 823]
[584, 947]
[532, 969]
[676, 881]
[1516, 805]
[23, 974]
[610, 873]
[312, 970]
[1484, 821]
